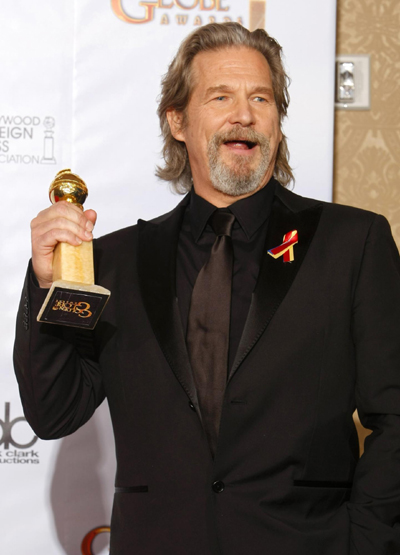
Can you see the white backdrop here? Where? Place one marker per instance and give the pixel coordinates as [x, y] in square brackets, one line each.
[80, 81]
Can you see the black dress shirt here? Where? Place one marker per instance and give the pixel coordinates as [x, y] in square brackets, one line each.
[248, 237]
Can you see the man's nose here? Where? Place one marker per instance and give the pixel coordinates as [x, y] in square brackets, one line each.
[242, 113]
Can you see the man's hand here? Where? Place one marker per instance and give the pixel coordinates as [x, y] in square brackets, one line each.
[61, 222]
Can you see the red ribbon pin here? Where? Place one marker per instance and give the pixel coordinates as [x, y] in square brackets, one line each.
[286, 248]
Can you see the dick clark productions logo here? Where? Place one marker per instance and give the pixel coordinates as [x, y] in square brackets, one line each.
[8, 441]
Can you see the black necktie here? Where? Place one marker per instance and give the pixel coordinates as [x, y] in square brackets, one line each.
[208, 325]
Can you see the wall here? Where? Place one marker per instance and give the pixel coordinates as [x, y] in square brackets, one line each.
[367, 143]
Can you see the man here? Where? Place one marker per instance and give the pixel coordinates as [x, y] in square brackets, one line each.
[231, 439]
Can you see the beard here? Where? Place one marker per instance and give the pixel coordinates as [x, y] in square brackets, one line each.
[238, 177]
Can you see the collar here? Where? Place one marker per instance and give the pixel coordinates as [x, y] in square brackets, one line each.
[251, 212]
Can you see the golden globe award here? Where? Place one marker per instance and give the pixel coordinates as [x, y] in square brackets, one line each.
[73, 299]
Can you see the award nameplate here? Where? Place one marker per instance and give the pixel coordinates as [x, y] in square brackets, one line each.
[73, 299]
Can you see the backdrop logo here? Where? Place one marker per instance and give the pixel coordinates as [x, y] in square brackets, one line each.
[86, 546]
[10, 430]
[146, 11]
[27, 140]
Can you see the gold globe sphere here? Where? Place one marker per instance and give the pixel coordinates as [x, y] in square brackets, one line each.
[68, 186]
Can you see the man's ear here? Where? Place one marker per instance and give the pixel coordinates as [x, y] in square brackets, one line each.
[175, 120]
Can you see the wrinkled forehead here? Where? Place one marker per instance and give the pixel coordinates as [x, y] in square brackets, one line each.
[232, 63]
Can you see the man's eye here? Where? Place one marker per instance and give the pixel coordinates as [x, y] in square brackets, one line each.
[260, 99]
[220, 98]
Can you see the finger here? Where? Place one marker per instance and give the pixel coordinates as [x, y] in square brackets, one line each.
[44, 244]
[59, 207]
[61, 224]
[62, 209]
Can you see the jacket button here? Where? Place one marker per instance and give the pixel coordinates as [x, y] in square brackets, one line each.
[191, 405]
[218, 486]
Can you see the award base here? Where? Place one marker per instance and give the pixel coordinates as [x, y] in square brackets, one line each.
[73, 304]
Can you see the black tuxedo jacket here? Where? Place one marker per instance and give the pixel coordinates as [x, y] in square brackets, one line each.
[322, 337]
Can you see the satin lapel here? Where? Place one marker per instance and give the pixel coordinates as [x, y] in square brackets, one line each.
[276, 276]
[157, 249]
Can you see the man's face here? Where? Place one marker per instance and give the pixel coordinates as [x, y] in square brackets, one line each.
[232, 130]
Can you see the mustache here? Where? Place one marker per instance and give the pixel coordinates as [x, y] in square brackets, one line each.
[240, 134]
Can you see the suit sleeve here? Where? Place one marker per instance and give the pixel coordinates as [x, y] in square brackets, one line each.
[58, 375]
[374, 506]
